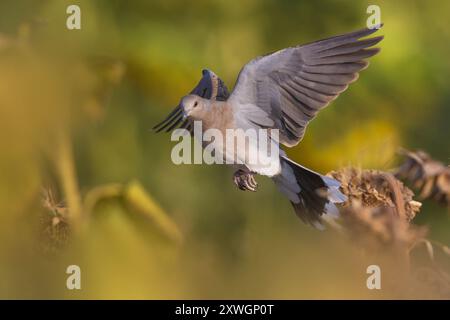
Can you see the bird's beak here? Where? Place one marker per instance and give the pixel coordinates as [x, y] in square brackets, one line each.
[184, 112]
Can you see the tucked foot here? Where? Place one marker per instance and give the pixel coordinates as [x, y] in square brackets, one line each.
[245, 180]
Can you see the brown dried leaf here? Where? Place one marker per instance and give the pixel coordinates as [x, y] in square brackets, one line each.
[429, 176]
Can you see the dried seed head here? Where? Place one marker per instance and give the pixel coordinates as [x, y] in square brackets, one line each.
[379, 209]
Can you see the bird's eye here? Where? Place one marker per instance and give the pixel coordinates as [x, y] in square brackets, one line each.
[195, 104]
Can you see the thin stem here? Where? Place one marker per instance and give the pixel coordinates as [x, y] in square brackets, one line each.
[67, 177]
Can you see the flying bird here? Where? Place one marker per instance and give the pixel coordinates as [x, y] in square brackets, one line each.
[283, 90]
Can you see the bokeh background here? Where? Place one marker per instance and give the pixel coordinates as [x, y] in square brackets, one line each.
[85, 181]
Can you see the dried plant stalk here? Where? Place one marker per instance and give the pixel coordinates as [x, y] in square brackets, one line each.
[64, 162]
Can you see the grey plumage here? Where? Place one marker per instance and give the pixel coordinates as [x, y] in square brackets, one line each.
[292, 85]
[209, 87]
[284, 90]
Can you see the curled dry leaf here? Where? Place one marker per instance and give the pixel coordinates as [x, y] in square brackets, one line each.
[429, 176]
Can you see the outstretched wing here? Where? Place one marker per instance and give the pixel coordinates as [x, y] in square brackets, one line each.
[286, 89]
[210, 86]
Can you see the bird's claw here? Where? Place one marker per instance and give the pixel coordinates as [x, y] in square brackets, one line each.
[245, 180]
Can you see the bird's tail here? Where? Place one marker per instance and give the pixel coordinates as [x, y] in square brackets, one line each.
[311, 194]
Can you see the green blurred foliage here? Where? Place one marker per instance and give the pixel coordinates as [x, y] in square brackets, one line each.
[75, 112]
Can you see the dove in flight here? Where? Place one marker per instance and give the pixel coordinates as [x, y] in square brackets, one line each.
[283, 90]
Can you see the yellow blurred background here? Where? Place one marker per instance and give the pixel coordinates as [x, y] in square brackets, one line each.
[76, 109]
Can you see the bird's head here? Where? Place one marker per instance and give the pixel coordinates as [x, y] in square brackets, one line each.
[193, 106]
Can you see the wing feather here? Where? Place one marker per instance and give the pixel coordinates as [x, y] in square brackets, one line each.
[210, 86]
[292, 85]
